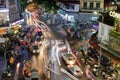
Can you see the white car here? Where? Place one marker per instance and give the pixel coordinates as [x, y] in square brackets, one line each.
[75, 70]
[68, 58]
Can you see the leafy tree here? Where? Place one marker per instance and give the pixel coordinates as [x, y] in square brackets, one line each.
[23, 4]
[49, 5]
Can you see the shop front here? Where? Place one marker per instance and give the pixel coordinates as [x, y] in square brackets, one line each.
[15, 26]
[114, 35]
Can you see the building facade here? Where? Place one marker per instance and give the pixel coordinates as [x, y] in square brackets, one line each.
[9, 14]
[69, 5]
[91, 5]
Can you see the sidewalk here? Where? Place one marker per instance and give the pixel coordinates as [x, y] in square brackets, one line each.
[106, 51]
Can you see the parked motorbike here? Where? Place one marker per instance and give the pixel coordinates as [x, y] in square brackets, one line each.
[95, 69]
[109, 73]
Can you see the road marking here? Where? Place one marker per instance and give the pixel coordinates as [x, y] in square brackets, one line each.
[70, 75]
[52, 70]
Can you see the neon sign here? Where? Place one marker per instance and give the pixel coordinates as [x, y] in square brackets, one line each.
[114, 14]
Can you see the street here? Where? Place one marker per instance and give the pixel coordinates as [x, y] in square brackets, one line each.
[49, 61]
[51, 52]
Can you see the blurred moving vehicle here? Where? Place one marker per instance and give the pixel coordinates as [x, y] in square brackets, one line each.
[29, 72]
[27, 69]
[46, 43]
[34, 74]
[35, 49]
[68, 58]
[75, 70]
[38, 41]
[109, 73]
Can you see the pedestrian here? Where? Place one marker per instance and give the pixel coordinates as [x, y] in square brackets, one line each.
[90, 77]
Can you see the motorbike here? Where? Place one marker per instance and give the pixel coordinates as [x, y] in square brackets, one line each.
[109, 73]
[95, 70]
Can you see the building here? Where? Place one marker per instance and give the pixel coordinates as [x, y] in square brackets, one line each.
[109, 35]
[69, 5]
[91, 5]
[9, 15]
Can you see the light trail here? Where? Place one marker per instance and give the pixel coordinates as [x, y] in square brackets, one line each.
[17, 71]
[57, 53]
[52, 70]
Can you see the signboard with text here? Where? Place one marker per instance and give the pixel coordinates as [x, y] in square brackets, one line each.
[117, 19]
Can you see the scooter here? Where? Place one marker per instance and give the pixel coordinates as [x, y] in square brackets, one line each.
[95, 69]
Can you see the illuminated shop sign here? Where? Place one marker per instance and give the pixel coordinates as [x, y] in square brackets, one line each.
[114, 14]
[18, 22]
[117, 23]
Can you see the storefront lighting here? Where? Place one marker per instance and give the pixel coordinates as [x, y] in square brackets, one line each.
[4, 10]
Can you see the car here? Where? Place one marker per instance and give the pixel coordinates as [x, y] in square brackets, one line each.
[75, 70]
[38, 41]
[34, 74]
[68, 58]
[95, 69]
[62, 45]
[35, 49]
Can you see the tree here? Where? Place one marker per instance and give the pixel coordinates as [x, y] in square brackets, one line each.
[49, 5]
[23, 4]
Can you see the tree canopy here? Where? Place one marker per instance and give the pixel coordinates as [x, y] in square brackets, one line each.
[48, 5]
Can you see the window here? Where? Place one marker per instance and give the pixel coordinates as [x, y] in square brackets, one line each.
[2, 4]
[71, 7]
[11, 2]
[91, 5]
[98, 5]
[85, 5]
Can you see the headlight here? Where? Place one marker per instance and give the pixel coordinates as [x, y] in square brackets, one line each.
[75, 73]
[9, 74]
[33, 51]
[71, 62]
[38, 51]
